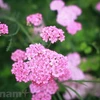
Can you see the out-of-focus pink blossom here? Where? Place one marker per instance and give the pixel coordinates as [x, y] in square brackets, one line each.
[57, 5]
[34, 19]
[66, 16]
[98, 6]
[3, 29]
[4, 5]
[82, 89]
[74, 59]
[37, 30]
[76, 73]
[75, 9]
[73, 27]
[73, 62]
[52, 33]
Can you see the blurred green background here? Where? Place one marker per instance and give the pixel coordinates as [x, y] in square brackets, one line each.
[86, 42]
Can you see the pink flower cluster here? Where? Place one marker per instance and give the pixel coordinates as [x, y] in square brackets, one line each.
[74, 27]
[3, 29]
[67, 15]
[74, 61]
[77, 74]
[43, 91]
[52, 33]
[98, 6]
[41, 66]
[34, 19]
[18, 55]
[57, 5]
[4, 5]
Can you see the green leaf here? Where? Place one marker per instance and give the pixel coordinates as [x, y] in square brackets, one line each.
[59, 96]
[75, 92]
[91, 63]
[9, 45]
[83, 46]
[80, 81]
[88, 50]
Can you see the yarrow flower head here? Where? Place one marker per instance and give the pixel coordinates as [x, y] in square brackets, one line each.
[73, 27]
[41, 96]
[42, 67]
[57, 5]
[98, 6]
[44, 90]
[4, 5]
[52, 33]
[3, 29]
[34, 19]
[18, 55]
[39, 65]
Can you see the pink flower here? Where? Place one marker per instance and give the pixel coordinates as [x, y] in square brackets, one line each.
[40, 65]
[3, 29]
[41, 96]
[75, 9]
[18, 55]
[21, 71]
[4, 5]
[66, 16]
[37, 30]
[73, 27]
[57, 5]
[98, 6]
[34, 19]
[73, 62]
[51, 33]
[76, 73]
[74, 58]
[47, 90]
[51, 87]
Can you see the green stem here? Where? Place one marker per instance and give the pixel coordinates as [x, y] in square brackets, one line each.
[54, 98]
[74, 91]
[25, 31]
[21, 27]
[96, 81]
[49, 45]
[69, 93]
[59, 96]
